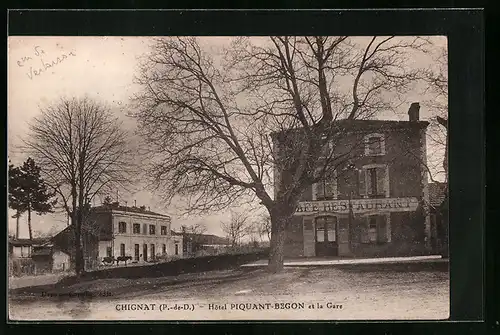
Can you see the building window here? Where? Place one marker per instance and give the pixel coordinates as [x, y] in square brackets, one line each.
[327, 151]
[122, 227]
[372, 230]
[164, 249]
[137, 252]
[377, 229]
[152, 229]
[145, 229]
[122, 249]
[109, 252]
[176, 249]
[374, 145]
[373, 181]
[145, 252]
[326, 189]
[164, 230]
[326, 229]
[136, 228]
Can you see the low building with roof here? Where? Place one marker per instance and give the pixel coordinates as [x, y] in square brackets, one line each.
[22, 247]
[194, 243]
[36, 256]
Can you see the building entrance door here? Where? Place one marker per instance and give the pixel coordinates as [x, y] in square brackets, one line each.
[326, 236]
[145, 252]
[137, 252]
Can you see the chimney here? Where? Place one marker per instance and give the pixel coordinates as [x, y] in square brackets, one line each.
[413, 112]
[142, 208]
[115, 204]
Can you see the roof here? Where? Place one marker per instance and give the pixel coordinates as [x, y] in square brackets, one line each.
[437, 193]
[367, 125]
[132, 209]
[43, 251]
[28, 242]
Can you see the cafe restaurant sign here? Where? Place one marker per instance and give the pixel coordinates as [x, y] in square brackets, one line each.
[359, 206]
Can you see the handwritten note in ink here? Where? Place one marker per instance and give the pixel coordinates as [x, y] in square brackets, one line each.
[39, 62]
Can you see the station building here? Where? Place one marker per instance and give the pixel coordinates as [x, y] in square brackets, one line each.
[114, 230]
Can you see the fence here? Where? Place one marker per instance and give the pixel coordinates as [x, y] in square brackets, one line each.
[22, 267]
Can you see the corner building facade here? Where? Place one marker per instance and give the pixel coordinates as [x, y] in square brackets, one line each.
[376, 205]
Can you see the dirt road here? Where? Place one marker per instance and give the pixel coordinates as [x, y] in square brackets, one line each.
[327, 293]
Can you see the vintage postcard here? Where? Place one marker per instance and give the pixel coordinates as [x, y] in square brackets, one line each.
[228, 178]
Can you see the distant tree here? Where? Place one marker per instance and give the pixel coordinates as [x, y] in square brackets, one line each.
[264, 225]
[107, 200]
[237, 228]
[28, 192]
[14, 181]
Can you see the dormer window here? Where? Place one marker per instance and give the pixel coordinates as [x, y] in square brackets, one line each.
[374, 145]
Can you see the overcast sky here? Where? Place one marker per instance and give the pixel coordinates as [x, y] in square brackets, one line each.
[101, 67]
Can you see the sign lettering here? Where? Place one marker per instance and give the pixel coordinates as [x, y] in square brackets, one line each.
[359, 206]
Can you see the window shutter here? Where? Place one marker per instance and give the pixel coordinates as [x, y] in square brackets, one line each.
[320, 190]
[381, 229]
[381, 180]
[364, 226]
[368, 178]
[362, 182]
[308, 223]
[329, 188]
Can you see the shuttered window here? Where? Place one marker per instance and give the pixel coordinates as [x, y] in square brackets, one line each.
[373, 182]
[375, 229]
[136, 228]
[122, 227]
[325, 189]
[362, 182]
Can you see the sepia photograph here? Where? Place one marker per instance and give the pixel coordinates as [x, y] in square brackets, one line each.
[228, 178]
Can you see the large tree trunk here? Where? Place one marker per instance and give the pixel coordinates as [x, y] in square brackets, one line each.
[280, 218]
[18, 216]
[75, 220]
[276, 252]
[29, 223]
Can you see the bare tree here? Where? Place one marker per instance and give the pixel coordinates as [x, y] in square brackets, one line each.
[437, 80]
[238, 227]
[264, 226]
[224, 128]
[83, 152]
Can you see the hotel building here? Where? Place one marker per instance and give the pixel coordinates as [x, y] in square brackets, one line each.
[376, 203]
